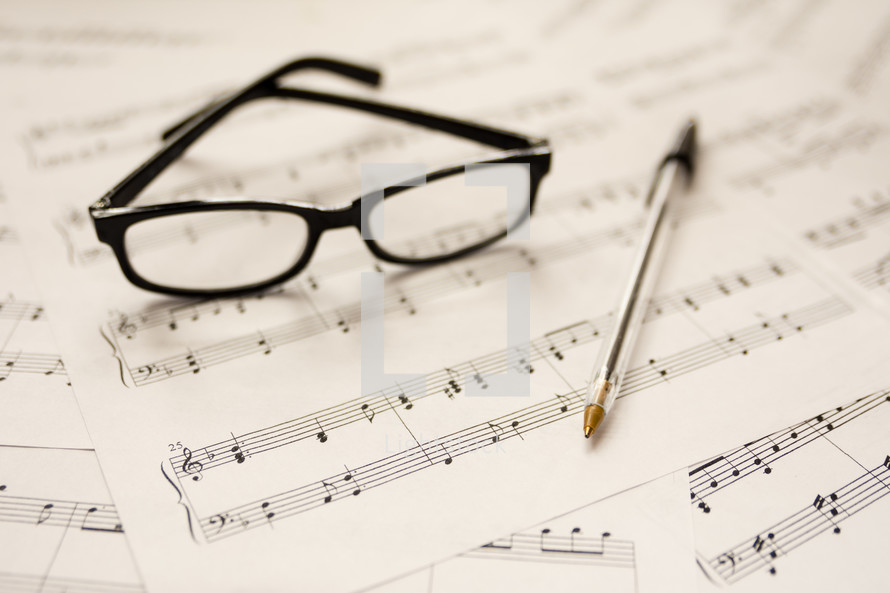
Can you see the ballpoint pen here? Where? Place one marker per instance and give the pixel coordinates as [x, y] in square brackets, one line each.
[614, 356]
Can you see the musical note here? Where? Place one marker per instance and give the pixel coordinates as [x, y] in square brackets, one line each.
[328, 488]
[403, 399]
[45, 513]
[524, 366]
[116, 527]
[661, 372]
[405, 302]
[820, 501]
[365, 410]
[448, 458]
[758, 461]
[58, 366]
[544, 532]
[236, 449]
[263, 344]
[321, 436]
[478, 378]
[515, 426]
[269, 514]
[9, 365]
[453, 385]
[350, 478]
[497, 430]
[193, 362]
[501, 546]
[759, 544]
[704, 468]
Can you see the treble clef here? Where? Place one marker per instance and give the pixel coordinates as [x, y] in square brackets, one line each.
[190, 467]
[125, 327]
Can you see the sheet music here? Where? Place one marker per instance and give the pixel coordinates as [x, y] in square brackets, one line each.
[61, 530]
[213, 480]
[857, 57]
[224, 447]
[635, 541]
[813, 494]
[38, 407]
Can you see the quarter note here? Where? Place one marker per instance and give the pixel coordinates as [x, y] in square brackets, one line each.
[515, 426]
[263, 343]
[350, 478]
[448, 458]
[453, 385]
[236, 449]
[193, 362]
[269, 514]
[321, 436]
[404, 400]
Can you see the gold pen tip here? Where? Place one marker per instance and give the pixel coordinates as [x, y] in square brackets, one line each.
[593, 417]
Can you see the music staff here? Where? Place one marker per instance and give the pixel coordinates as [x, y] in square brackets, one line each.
[850, 227]
[448, 380]
[59, 513]
[874, 275]
[439, 282]
[574, 548]
[824, 514]
[31, 363]
[432, 453]
[721, 472]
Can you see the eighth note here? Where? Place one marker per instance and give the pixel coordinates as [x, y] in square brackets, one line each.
[370, 416]
[45, 513]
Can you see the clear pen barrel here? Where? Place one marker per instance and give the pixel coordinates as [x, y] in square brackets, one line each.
[615, 354]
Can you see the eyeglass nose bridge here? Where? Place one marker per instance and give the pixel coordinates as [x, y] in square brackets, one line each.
[338, 218]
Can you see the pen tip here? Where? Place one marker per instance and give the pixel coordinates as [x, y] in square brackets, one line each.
[593, 416]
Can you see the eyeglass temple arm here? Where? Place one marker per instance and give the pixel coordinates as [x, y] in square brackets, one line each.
[469, 130]
[356, 72]
[185, 133]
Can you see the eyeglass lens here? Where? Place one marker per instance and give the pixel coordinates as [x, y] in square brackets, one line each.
[216, 250]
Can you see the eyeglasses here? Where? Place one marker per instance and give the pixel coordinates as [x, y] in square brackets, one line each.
[224, 246]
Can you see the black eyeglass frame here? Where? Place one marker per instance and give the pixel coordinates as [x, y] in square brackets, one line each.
[112, 217]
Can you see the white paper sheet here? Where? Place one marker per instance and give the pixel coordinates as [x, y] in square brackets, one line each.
[270, 386]
[635, 541]
[767, 514]
[244, 508]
